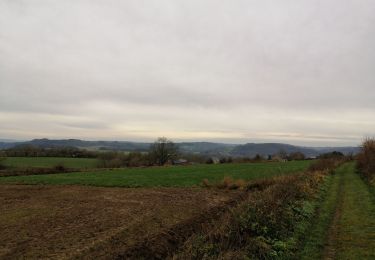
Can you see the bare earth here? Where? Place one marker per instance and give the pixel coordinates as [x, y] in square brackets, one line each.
[76, 221]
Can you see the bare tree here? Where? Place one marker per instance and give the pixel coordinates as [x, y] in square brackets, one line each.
[163, 150]
[297, 156]
[282, 154]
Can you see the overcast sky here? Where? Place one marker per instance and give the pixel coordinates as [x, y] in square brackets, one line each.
[293, 71]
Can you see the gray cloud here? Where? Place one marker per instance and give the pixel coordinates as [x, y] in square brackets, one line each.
[296, 71]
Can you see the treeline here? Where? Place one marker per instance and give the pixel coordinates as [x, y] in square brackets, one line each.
[119, 159]
[35, 151]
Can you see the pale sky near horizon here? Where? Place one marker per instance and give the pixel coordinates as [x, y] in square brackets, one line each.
[293, 71]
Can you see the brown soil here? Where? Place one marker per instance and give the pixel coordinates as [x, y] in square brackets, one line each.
[79, 222]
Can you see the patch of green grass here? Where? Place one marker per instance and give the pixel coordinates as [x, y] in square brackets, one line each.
[24, 162]
[176, 176]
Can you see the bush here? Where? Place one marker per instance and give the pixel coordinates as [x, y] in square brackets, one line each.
[366, 160]
[111, 160]
[324, 164]
[231, 184]
[227, 183]
[136, 159]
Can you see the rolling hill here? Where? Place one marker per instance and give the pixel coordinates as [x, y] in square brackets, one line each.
[204, 148]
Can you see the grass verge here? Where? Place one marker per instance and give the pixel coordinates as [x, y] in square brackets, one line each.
[267, 225]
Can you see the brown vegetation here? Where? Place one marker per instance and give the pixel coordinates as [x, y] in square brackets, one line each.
[325, 164]
[227, 183]
[366, 160]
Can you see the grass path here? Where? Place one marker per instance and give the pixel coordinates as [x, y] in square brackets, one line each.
[356, 227]
[345, 225]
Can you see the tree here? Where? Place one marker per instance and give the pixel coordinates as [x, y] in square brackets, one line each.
[333, 155]
[297, 156]
[163, 150]
[282, 154]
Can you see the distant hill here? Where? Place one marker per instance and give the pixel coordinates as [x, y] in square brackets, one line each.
[204, 148]
[92, 145]
[252, 149]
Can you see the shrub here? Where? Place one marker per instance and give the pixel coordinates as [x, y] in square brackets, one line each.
[137, 159]
[231, 184]
[324, 164]
[366, 160]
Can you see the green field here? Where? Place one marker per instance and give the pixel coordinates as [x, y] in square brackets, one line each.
[24, 162]
[173, 176]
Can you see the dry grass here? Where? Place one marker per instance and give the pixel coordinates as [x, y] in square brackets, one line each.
[227, 183]
[325, 164]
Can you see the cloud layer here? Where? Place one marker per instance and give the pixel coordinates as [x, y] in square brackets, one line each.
[291, 71]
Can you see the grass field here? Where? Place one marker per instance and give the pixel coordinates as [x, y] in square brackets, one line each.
[178, 176]
[345, 225]
[24, 162]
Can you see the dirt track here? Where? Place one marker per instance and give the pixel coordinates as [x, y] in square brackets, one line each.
[70, 221]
